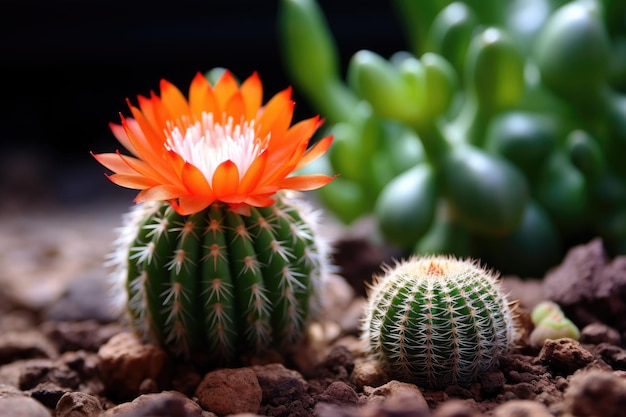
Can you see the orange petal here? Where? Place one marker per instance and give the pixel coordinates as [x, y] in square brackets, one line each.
[173, 100]
[161, 192]
[136, 182]
[224, 88]
[201, 97]
[315, 152]
[252, 91]
[120, 134]
[283, 147]
[259, 201]
[195, 181]
[114, 162]
[305, 182]
[278, 169]
[225, 179]
[276, 114]
[150, 147]
[149, 141]
[236, 108]
[191, 204]
[253, 175]
[147, 108]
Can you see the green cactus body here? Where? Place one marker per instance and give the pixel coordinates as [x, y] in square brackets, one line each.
[217, 284]
[437, 321]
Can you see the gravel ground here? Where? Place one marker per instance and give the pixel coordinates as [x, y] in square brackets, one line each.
[64, 353]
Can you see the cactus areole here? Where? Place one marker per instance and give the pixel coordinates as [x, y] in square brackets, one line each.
[220, 257]
[437, 321]
[216, 284]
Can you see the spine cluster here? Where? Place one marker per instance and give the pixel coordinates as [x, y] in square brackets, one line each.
[215, 284]
[438, 321]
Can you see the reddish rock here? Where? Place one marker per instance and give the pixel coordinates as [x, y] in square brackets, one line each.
[126, 363]
[230, 391]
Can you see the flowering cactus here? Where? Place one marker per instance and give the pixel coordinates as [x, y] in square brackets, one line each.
[438, 321]
[220, 257]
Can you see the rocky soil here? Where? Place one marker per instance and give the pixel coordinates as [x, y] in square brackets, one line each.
[64, 354]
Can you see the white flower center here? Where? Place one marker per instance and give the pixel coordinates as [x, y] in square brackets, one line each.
[206, 144]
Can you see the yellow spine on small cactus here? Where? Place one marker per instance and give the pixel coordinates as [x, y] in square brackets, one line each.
[438, 320]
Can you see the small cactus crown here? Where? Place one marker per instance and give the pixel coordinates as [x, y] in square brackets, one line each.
[437, 320]
[215, 285]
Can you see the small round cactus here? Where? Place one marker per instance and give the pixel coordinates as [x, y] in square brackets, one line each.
[438, 320]
[217, 284]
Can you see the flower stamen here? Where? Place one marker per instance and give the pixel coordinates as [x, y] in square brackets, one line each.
[206, 143]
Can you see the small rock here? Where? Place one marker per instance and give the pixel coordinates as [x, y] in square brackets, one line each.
[565, 355]
[48, 393]
[572, 280]
[403, 389]
[39, 371]
[285, 391]
[339, 392]
[588, 287]
[280, 385]
[323, 409]
[595, 393]
[22, 407]
[7, 391]
[78, 404]
[87, 335]
[523, 390]
[614, 356]
[368, 373]
[456, 408]
[596, 333]
[125, 362]
[230, 391]
[339, 359]
[400, 404]
[521, 408]
[163, 404]
[26, 344]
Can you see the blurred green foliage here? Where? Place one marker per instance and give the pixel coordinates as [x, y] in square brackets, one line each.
[500, 134]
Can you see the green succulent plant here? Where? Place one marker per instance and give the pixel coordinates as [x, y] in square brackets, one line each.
[550, 323]
[217, 284]
[438, 320]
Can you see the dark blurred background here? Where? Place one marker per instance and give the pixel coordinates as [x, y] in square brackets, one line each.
[68, 66]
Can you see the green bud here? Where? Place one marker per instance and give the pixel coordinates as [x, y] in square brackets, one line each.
[543, 310]
[553, 327]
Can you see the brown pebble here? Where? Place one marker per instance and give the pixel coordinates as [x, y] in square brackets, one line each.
[595, 393]
[521, 408]
[230, 391]
[339, 392]
[456, 408]
[22, 407]
[368, 373]
[126, 362]
[78, 404]
[564, 355]
[596, 333]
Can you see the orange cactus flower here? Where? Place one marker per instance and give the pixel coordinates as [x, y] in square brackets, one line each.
[219, 145]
